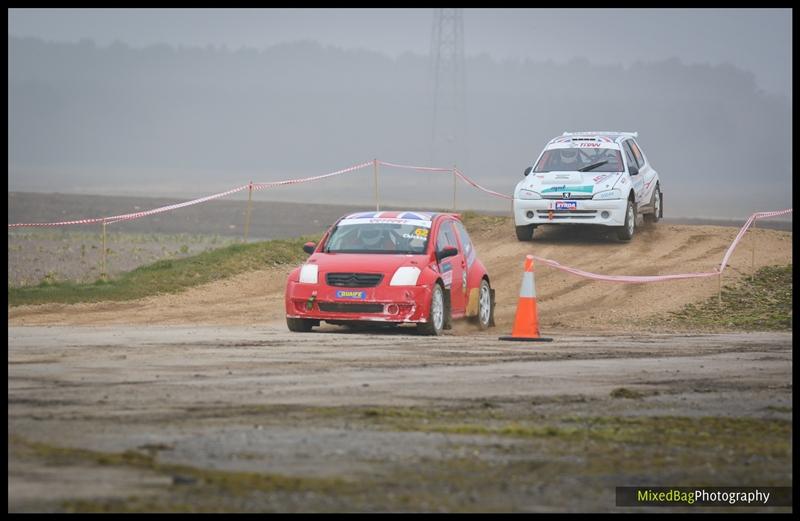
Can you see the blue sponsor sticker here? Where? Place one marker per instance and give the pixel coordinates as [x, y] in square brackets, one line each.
[348, 293]
[566, 205]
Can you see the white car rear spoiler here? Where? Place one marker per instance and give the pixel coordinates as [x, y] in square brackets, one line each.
[601, 133]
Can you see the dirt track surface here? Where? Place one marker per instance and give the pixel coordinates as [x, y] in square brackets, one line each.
[204, 401]
[564, 300]
[381, 417]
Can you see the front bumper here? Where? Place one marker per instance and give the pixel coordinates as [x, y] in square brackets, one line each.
[399, 304]
[587, 211]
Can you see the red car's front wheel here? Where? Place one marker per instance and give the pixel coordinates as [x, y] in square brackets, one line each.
[299, 325]
[436, 314]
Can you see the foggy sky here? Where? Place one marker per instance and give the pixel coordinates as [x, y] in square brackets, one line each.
[757, 40]
[96, 117]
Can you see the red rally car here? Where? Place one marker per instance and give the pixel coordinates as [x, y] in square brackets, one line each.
[394, 268]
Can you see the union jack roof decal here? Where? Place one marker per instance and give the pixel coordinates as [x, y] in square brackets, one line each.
[420, 216]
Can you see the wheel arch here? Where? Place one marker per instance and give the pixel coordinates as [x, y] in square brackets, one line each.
[473, 295]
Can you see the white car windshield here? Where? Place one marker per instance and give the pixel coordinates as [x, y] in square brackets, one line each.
[580, 159]
[362, 236]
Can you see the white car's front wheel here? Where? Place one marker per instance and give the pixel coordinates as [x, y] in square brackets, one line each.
[525, 232]
[625, 232]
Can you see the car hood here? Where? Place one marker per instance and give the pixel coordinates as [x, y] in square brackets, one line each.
[365, 262]
[577, 183]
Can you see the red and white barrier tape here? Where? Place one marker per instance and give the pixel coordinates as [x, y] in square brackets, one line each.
[750, 221]
[456, 171]
[628, 279]
[479, 187]
[61, 223]
[638, 279]
[261, 186]
[255, 186]
[413, 167]
[137, 215]
[145, 213]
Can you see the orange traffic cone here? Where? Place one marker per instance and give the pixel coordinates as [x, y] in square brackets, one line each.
[526, 322]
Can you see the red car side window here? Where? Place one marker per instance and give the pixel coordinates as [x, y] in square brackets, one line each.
[447, 236]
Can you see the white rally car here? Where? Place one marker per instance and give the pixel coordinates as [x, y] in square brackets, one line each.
[600, 178]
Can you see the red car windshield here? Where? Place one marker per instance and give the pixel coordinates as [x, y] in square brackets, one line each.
[362, 236]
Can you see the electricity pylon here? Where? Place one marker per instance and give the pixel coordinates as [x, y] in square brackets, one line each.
[448, 128]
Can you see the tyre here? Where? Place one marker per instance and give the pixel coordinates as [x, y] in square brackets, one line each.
[656, 215]
[436, 315]
[485, 305]
[625, 232]
[448, 319]
[299, 325]
[525, 233]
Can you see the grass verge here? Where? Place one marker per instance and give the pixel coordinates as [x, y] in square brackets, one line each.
[166, 276]
[762, 301]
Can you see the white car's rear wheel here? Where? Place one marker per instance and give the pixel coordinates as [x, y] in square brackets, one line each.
[656, 215]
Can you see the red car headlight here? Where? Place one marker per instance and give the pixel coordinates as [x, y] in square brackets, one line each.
[308, 273]
[405, 276]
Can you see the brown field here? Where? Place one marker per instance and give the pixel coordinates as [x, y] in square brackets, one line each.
[36, 255]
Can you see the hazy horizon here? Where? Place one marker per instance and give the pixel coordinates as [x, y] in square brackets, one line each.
[754, 40]
[182, 119]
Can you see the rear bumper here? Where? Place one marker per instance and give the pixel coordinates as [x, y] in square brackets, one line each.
[399, 304]
[587, 211]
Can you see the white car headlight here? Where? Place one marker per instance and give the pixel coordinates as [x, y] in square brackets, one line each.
[308, 273]
[608, 194]
[528, 194]
[405, 276]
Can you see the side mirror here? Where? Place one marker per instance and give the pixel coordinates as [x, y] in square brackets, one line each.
[448, 251]
[633, 169]
[528, 171]
[309, 247]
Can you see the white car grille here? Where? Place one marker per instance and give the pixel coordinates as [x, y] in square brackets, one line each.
[568, 214]
[572, 195]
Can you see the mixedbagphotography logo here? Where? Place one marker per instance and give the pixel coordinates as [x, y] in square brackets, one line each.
[704, 496]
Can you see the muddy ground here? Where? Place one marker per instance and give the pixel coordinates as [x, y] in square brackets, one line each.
[203, 401]
[236, 418]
